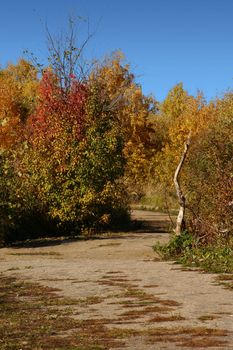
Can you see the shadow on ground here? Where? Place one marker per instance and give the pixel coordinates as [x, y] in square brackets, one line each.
[143, 222]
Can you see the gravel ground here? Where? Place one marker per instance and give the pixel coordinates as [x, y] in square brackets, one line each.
[122, 280]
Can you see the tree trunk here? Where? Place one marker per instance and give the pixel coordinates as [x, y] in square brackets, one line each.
[180, 223]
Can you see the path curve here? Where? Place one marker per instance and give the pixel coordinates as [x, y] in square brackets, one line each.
[134, 289]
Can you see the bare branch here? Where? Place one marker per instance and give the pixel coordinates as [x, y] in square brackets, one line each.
[66, 55]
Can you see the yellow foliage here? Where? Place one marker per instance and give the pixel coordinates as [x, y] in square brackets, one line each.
[134, 112]
[183, 115]
[18, 91]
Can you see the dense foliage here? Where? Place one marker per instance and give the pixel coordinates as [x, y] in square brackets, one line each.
[66, 152]
[74, 155]
[207, 174]
[206, 177]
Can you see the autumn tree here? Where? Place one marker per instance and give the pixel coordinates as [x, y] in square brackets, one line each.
[75, 141]
[134, 113]
[18, 89]
[18, 93]
[209, 174]
[183, 118]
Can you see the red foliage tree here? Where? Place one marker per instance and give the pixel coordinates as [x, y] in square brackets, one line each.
[58, 111]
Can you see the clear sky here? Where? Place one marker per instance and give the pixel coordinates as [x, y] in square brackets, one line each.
[165, 41]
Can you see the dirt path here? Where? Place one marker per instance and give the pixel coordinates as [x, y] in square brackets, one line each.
[123, 284]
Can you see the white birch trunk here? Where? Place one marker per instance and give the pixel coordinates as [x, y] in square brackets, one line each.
[180, 195]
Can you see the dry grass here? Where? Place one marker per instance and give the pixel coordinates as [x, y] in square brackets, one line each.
[13, 268]
[51, 253]
[208, 317]
[202, 342]
[112, 244]
[114, 272]
[92, 300]
[225, 277]
[150, 286]
[31, 318]
[113, 283]
[171, 318]
[199, 337]
[58, 279]
[225, 280]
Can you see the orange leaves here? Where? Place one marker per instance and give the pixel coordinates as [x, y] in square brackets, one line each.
[133, 112]
[9, 111]
[18, 90]
[206, 177]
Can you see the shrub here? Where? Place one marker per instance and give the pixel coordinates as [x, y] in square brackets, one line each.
[184, 249]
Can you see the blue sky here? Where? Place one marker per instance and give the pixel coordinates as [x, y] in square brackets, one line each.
[165, 41]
